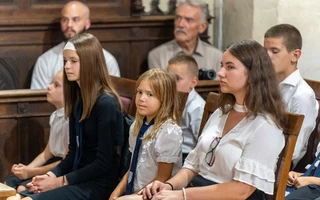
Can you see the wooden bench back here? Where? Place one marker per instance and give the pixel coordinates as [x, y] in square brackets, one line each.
[314, 138]
[210, 106]
[126, 89]
[291, 132]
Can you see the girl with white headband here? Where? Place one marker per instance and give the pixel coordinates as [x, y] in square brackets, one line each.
[90, 169]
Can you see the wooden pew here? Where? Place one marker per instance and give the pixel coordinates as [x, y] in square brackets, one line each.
[6, 191]
[24, 124]
[24, 127]
[291, 133]
[315, 135]
[204, 87]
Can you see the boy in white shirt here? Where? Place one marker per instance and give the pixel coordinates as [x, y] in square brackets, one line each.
[185, 69]
[283, 43]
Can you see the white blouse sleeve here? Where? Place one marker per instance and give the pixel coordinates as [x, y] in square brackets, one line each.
[257, 164]
[192, 161]
[168, 144]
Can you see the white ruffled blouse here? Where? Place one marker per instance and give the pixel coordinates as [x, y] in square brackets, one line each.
[247, 153]
[165, 146]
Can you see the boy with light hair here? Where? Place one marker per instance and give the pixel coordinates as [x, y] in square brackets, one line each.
[185, 69]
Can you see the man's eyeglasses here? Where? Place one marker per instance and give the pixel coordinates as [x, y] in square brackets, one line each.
[210, 155]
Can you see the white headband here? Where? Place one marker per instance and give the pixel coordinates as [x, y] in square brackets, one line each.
[69, 46]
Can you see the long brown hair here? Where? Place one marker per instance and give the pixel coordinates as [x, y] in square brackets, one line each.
[163, 85]
[94, 76]
[263, 95]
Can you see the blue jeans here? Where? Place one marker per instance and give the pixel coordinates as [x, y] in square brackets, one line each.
[304, 193]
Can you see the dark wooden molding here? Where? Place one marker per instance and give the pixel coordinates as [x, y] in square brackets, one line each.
[171, 7]
[7, 76]
[21, 44]
[22, 93]
[155, 10]
[204, 87]
[137, 8]
[49, 10]
[24, 126]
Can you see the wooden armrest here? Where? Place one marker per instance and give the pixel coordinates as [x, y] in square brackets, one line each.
[6, 191]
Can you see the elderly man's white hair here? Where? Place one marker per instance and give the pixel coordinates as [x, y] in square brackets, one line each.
[197, 3]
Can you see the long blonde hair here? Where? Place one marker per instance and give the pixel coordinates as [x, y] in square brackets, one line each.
[163, 85]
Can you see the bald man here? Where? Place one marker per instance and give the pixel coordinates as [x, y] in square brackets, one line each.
[75, 19]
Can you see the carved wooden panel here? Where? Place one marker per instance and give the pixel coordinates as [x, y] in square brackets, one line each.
[8, 146]
[7, 76]
[9, 2]
[24, 127]
[21, 45]
[33, 135]
[35, 2]
[47, 11]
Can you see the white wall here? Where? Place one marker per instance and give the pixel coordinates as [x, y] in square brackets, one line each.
[305, 15]
[164, 7]
[234, 29]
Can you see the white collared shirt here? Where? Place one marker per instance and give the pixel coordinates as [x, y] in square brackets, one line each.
[206, 55]
[59, 133]
[300, 98]
[165, 147]
[191, 120]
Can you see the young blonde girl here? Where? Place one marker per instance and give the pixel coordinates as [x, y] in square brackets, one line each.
[159, 156]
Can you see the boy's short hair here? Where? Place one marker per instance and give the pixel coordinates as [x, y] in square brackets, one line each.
[291, 36]
[191, 63]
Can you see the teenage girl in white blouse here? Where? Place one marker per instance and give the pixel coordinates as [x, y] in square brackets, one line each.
[236, 155]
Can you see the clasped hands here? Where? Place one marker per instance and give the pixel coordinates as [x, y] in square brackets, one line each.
[295, 179]
[43, 183]
[21, 171]
[158, 190]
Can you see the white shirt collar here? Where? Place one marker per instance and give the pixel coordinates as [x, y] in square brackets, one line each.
[60, 112]
[198, 50]
[293, 79]
[192, 93]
